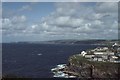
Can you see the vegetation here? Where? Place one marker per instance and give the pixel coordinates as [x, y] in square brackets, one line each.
[76, 59]
[100, 69]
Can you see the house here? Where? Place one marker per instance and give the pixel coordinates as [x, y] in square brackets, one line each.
[88, 56]
[115, 44]
[83, 53]
[110, 53]
[102, 53]
[100, 49]
[105, 57]
[98, 53]
[113, 58]
[97, 58]
[105, 48]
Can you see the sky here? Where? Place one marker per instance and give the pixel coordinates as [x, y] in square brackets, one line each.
[44, 21]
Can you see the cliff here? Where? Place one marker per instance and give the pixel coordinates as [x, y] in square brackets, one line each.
[82, 68]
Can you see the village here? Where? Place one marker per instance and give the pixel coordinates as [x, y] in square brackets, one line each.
[104, 54]
[99, 54]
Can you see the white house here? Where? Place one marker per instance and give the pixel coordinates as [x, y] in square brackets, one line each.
[105, 57]
[83, 53]
[89, 56]
[101, 53]
[105, 48]
[110, 53]
[97, 58]
[112, 58]
[115, 44]
[98, 53]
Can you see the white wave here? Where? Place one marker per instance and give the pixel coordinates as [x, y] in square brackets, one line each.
[39, 54]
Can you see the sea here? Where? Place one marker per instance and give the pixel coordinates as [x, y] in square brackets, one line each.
[32, 60]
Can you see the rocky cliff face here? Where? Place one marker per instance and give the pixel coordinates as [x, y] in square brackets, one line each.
[84, 69]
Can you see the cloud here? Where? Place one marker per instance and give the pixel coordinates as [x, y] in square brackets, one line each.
[106, 7]
[13, 25]
[25, 7]
[69, 21]
[72, 18]
[21, 9]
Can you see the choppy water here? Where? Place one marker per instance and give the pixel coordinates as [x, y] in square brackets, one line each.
[36, 60]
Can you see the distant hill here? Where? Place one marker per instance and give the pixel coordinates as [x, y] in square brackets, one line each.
[71, 42]
[92, 42]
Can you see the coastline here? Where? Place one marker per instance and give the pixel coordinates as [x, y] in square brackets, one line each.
[88, 70]
[79, 66]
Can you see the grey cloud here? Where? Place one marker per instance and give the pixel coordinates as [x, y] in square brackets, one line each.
[13, 25]
[26, 7]
[107, 7]
[71, 20]
[89, 20]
